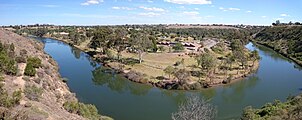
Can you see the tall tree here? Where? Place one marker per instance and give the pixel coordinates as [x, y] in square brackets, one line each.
[140, 43]
[206, 61]
[120, 41]
[241, 57]
[101, 38]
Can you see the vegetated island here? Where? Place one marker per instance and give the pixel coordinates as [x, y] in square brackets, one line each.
[169, 57]
[31, 87]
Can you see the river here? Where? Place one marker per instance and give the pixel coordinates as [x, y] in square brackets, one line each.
[117, 97]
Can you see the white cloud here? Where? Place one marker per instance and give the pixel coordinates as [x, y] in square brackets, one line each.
[263, 16]
[149, 14]
[248, 11]
[229, 9]
[121, 8]
[196, 8]
[191, 13]
[284, 15]
[92, 2]
[189, 1]
[149, 1]
[152, 9]
[234, 9]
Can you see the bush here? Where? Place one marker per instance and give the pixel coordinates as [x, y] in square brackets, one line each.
[178, 47]
[36, 62]
[30, 70]
[9, 101]
[32, 92]
[86, 110]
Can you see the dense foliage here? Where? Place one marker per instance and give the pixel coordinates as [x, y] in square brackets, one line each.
[284, 39]
[32, 64]
[289, 110]
[7, 61]
[200, 33]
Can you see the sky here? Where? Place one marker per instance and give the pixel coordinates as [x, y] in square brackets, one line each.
[119, 12]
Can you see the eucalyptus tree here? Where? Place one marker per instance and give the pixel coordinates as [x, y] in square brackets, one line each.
[241, 57]
[206, 61]
[119, 41]
[140, 43]
[101, 38]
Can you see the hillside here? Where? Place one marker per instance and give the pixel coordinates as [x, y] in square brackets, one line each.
[286, 40]
[289, 110]
[30, 85]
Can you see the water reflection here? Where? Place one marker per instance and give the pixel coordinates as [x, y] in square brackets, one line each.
[236, 93]
[106, 77]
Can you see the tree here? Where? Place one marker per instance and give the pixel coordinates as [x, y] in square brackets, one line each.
[254, 56]
[230, 59]
[101, 38]
[119, 41]
[241, 57]
[40, 32]
[154, 44]
[169, 70]
[195, 109]
[182, 75]
[140, 43]
[75, 37]
[206, 61]
[236, 45]
[161, 48]
[178, 47]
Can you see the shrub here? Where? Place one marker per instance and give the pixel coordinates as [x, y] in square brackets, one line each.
[36, 62]
[86, 110]
[32, 92]
[178, 47]
[29, 70]
[9, 101]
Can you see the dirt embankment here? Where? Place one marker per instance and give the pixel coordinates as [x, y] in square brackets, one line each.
[54, 91]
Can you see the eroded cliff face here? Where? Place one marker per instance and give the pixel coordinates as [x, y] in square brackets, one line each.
[44, 94]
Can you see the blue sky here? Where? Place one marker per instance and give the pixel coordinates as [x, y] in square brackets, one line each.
[110, 12]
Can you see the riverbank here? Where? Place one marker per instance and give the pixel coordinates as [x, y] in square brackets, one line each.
[281, 53]
[44, 94]
[150, 72]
